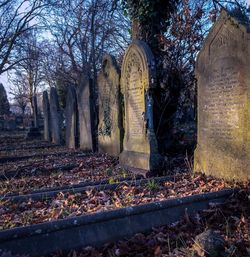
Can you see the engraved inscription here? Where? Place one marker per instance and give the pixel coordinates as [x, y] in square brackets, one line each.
[135, 102]
[223, 103]
[224, 39]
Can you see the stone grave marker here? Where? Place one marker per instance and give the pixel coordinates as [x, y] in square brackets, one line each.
[55, 117]
[34, 131]
[46, 114]
[85, 115]
[223, 75]
[140, 148]
[110, 120]
[71, 117]
[35, 111]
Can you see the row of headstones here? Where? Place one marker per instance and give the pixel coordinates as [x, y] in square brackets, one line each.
[53, 119]
[135, 143]
[77, 117]
[223, 74]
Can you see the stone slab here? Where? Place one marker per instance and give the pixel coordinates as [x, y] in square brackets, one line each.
[110, 112]
[46, 117]
[99, 228]
[223, 75]
[140, 149]
[56, 118]
[84, 102]
[71, 117]
[35, 111]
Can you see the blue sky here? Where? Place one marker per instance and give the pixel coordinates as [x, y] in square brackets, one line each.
[4, 80]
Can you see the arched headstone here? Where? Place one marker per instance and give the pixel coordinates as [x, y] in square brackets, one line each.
[223, 75]
[71, 117]
[110, 120]
[140, 148]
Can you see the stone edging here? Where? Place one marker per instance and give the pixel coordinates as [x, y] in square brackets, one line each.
[98, 228]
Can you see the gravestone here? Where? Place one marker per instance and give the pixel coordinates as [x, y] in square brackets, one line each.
[34, 132]
[110, 120]
[46, 114]
[71, 116]
[223, 75]
[84, 104]
[140, 148]
[55, 117]
[35, 110]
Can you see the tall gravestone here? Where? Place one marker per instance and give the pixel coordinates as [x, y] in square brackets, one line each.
[140, 148]
[71, 116]
[84, 103]
[55, 115]
[223, 74]
[110, 118]
[35, 111]
[46, 114]
[34, 132]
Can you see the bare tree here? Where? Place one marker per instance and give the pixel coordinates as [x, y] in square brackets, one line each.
[16, 18]
[19, 92]
[26, 76]
[83, 31]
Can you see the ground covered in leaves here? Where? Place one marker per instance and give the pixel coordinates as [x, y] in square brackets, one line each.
[87, 168]
[71, 205]
[231, 220]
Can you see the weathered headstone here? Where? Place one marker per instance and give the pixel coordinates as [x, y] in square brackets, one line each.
[223, 74]
[46, 114]
[84, 112]
[34, 132]
[140, 148]
[71, 116]
[4, 103]
[35, 110]
[56, 118]
[110, 118]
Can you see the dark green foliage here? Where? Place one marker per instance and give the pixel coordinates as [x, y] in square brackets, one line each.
[153, 18]
[4, 103]
[107, 123]
[151, 14]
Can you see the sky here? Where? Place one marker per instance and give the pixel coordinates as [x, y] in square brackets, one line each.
[4, 80]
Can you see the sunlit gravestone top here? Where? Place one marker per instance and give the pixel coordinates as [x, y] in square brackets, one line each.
[110, 117]
[140, 148]
[223, 74]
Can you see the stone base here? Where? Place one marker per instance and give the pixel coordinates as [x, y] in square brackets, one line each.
[222, 164]
[33, 133]
[143, 161]
[111, 149]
